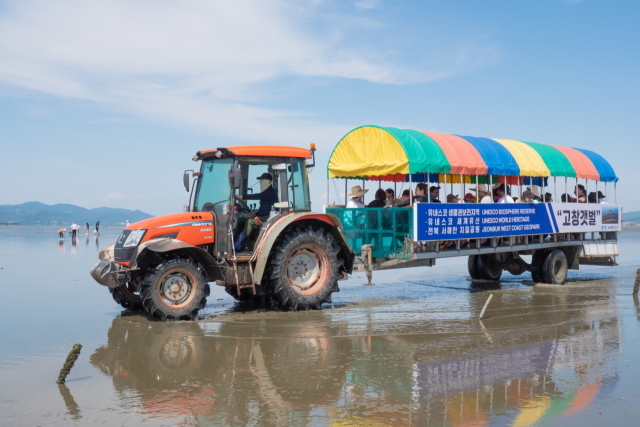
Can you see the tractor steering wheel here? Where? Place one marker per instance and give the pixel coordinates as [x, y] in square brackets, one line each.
[242, 206]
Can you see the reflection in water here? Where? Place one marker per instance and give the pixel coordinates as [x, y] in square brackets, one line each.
[61, 245]
[321, 368]
[70, 402]
[97, 242]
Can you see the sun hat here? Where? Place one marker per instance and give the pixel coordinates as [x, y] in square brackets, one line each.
[450, 197]
[534, 190]
[527, 194]
[357, 191]
[480, 188]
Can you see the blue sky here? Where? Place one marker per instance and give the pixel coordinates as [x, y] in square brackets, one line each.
[104, 103]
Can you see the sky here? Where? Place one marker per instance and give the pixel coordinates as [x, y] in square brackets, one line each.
[104, 103]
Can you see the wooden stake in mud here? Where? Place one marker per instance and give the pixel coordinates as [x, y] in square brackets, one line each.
[636, 285]
[485, 306]
[68, 364]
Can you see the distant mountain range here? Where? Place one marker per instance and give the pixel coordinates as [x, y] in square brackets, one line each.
[631, 218]
[36, 213]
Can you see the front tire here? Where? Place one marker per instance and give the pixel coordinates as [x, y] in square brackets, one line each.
[174, 289]
[304, 270]
[126, 296]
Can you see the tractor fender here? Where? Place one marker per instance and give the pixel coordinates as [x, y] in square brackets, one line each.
[274, 232]
[147, 254]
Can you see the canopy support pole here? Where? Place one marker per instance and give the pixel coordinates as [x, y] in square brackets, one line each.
[362, 201]
[576, 190]
[491, 188]
[615, 192]
[445, 184]
[597, 198]
[346, 182]
[586, 189]
[328, 197]
[565, 188]
[410, 190]
[555, 189]
[463, 186]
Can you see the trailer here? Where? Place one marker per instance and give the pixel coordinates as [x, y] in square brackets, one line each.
[494, 236]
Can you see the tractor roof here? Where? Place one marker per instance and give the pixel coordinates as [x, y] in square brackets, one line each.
[256, 151]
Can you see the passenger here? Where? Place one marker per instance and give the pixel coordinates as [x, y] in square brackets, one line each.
[380, 198]
[434, 194]
[406, 195]
[470, 198]
[451, 198]
[547, 198]
[356, 197]
[419, 196]
[248, 224]
[391, 197]
[566, 198]
[504, 193]
[496, 195]
[601, 199]
[515, 200]
[527, 197]
[482, 194]
[581, 193]
[534, 191]
[591, 198]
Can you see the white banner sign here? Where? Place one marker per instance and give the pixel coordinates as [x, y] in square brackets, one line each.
[584, 217]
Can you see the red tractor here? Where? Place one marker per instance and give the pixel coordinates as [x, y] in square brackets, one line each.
[295, 257]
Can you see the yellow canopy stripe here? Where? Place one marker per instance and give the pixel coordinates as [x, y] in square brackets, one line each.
[528, 159]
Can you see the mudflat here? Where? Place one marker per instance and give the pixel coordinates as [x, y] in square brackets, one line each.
[408, 351]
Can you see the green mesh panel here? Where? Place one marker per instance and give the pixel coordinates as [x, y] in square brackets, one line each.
[387, 230]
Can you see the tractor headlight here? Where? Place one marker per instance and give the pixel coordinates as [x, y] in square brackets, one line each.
[134, 238]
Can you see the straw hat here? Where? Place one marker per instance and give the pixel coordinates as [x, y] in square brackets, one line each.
[481, 188]
[357, 191]
[534, 190]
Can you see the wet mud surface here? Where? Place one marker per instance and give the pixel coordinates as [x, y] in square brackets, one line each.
[408, 351]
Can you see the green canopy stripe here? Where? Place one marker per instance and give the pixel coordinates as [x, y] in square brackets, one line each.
[555, 160]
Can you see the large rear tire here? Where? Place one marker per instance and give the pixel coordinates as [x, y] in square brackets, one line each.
[489, 267]
[126, 296]
[555, 268]
[174, 289]
[472, 266]
[304, 270]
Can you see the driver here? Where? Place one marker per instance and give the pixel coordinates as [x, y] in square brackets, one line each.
[248, 224]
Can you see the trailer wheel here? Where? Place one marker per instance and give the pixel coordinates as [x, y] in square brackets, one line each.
[554, 268]
[536, 265]
[304, 270]
[489, 268]
[174, 289]
[125, 296]
[472, 266]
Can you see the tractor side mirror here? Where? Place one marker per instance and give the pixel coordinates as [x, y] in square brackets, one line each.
[185, 180]
[235, 178]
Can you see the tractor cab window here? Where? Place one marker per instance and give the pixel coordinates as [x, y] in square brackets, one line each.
[213, 190]
[298, 185]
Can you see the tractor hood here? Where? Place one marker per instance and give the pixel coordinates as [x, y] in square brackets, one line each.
[195, 228]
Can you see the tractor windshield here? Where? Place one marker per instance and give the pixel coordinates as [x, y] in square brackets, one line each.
[213, 189]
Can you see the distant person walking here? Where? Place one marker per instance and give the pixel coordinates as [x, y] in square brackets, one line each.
[98, 227]
[86, 224]
[74, 230]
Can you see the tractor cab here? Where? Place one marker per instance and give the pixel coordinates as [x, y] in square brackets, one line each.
[229, 178]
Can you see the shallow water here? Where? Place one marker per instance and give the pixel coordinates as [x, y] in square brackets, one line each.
[408, 351]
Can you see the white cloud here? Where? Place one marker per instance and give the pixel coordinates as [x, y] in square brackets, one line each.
[113, 196]
[200, 63]
[367, 4]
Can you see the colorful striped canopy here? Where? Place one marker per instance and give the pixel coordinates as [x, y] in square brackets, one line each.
[386, 153]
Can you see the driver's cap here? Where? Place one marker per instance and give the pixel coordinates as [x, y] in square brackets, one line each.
[265, 176]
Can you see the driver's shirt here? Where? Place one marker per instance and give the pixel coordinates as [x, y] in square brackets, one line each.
[267, 198]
